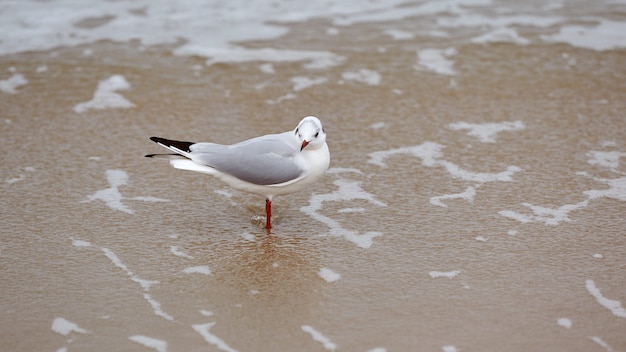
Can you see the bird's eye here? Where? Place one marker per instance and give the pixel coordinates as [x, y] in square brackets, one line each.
[317, 134]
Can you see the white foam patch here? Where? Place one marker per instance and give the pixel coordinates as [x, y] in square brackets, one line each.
[65, 327]
[203, 330]
[446, 274]
[496, 22]
[300, 83]
[449, 348]
[177, 252]
[106, 96]
[80, 243]
[598, 256]
[431, 156]
[145, 284]
[605, 159]
[501, 35]
[378, 349]
[395, 12]
[317, 336]
[281, 99]
[486, 132]
[564, 322]
[206, 313]
[328, 275]
[234, 54]
[248, 236]
[396, 34]
[601, 343]
[16, 179]
[616, 190]
[549, 216]
[224, 193]
[468, 195]
[369, 77]
[150, 342]
[11, 84]
[267, 68]
[612, 305]
[555, 216]
[605, 35]
[377, 125]
[112, 197]
[346, 191]
[198, 270]
[436, 60]
[351, 210]
[480, 239]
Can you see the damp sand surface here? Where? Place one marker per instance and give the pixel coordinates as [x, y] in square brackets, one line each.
[476, 199]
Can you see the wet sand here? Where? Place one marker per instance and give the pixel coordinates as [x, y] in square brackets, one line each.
[421, 237]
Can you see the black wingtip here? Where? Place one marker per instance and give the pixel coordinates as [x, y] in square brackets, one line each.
[182, 145]
[149, 155]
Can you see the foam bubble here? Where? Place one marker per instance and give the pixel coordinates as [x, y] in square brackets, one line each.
[198, 270]
[203, 330]
[601, 342]
[447, 274]
[616, 190]
[399, 35]
[347, 191]
[113, 198]
[614, 306]
[436, 60]
[65, 327]
[486, 132]
[10, 85]
[501, 35]
[328, 275]
[449, 348]
[145, 284]
[564, 322]
[431, 156]
[468, 195]
[377, 125]
[206, 313]
[300, 83]
[317, 336]
[175, 251]
[79, 243]
[106, 97]
[150, 342]
[605, 159]
[369, 77]
[606, 35]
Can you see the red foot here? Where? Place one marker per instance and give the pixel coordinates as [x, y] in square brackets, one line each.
[268, 214]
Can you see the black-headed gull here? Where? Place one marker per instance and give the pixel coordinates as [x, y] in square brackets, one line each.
[270, 165]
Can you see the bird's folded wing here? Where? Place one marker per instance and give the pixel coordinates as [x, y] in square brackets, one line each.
[261, 162]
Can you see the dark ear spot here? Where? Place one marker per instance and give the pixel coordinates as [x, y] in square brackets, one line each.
[297, 130]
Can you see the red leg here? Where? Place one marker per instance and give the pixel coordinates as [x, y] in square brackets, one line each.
[268, 214]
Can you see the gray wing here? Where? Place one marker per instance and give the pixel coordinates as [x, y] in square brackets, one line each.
[266, 160]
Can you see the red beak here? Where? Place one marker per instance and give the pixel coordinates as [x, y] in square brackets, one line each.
[304, 144]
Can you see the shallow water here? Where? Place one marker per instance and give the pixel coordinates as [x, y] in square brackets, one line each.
[475, 201]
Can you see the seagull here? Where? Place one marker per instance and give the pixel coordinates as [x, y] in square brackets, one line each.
[270, 165]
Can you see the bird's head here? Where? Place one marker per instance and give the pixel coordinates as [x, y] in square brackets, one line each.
[310, 133]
